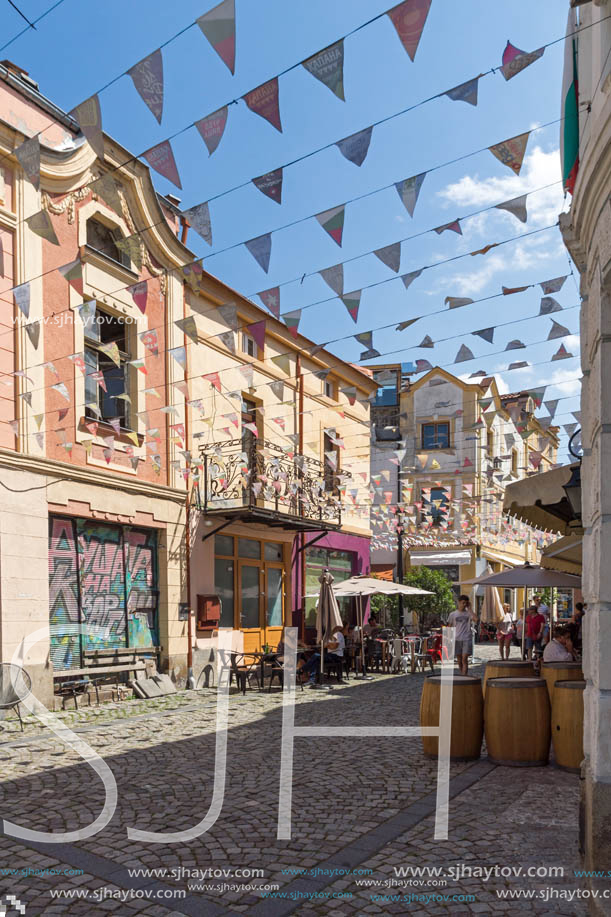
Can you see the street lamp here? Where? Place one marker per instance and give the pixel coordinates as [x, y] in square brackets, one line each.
[572, 488]
[399, 515]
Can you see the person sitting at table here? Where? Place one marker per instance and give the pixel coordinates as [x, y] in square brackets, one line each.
[560, 647]
[336, 647]
[305, 666]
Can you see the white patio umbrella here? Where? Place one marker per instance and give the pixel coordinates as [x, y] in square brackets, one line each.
[492, 610]
[327, 616]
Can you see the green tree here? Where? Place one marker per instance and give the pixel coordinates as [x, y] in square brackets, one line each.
[431, 610]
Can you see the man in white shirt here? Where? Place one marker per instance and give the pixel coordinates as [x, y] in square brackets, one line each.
[560, 649]
[463, 641]
[336, 645]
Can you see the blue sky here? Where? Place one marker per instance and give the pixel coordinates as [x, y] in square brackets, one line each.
[80, 47]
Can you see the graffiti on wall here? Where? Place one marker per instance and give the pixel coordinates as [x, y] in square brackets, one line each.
[140, 549]
[64, 614]
[102, 584]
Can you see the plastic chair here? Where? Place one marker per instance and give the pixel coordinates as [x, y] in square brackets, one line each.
[15, 685]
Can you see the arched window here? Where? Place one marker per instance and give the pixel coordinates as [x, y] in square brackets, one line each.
[104, 240]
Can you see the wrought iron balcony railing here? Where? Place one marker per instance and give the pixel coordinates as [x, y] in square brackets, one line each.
[266, 481]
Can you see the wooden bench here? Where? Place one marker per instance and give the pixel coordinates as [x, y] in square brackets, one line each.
[120, 660]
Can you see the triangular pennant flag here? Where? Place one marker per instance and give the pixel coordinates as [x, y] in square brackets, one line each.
[271, 299]
[454, 226]
[212, 127]
[390, 255]
[334, 277]
[21, 295]
[188, 326]
[73, 273]
[557, 331]
[199, 218]
[356, 146]
[515, 60]
[455, 302]
[486, 333]
[33, 332]
[328, 67]
[106, 188]
[264, 101]
[350, 393]
[408, 190]
[426, 342]
[28, 156]
[150, 341]
[27, 397]
[537, 395]
[403, 325]
[516, 206]
[466, 92]
[352, 302]
[261, 249]
[485, 249]
[569, 428]
[112, 352]
[229, 315]
[507, 291]
[40, 440]
[180, 355]
[228, 339]
[282, 361]
[291, 320]
[270, 184]
[38, 419]
[41, 224]
[131, 247]
[549, 305]
[423, 366]
[161, 159]
[147, 76]
[511, 152]
[257, 332]
[332, 221]
[277, 389]
[464, 354]
[89, 118]
[365, 338]
[408, 279]
[554, 285]
[218, 25]
[515, 345]
[551, 406]
[62, 390]
[408, 19]
[214, 380]
[519, 365]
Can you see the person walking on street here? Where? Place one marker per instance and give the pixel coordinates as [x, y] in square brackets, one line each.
[543, 609]
[535, 622]
[461, 619]
[505, 632]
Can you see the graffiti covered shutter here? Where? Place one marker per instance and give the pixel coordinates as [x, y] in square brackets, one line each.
[141, 582]
[64, 616]
[102, 585]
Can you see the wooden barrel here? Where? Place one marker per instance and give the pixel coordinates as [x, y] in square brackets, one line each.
[507, 668]
[467, 715]
[517, 721]
[567, 724]
[560, 671]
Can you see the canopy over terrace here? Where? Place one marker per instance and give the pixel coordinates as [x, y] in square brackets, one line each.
[541, 501]
[528, 576]
[367, 585]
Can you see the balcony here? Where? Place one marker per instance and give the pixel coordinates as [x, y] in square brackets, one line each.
[265, 484]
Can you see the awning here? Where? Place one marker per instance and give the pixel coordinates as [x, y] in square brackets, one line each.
[541, 501]
[564, 555]
[439, 558]
[498, 557]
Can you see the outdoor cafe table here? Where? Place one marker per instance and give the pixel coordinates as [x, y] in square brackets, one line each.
[262, 658]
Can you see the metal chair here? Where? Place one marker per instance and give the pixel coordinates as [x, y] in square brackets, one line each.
[15, 685]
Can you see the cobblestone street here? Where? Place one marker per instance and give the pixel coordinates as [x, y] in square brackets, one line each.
[364, 805]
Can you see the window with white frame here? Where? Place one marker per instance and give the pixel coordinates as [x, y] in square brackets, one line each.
[106, 370]
[249, 346]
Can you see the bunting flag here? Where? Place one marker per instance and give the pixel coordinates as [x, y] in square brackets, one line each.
[213, 379]
[408, 279]
[423, 366]
[89, 118]
[77, 359]
[569, 428]
[485, 249]
[261, 249]
[33, 332]
[356, 147]
[332, 221]
[277, 389]
[28, 156]
[520, 365]
[106, 188]
[150, 341]
[199, 218]
[365, 338]
[229, 315]
[21, 295]
[228, 339]
[548, 305]
[270, 184]
[516, 206]
[454, 226]
[486, 333]
[112, 352]
[257, 332]
[264, 101]
[507, 291]
[511, 152]
[557, 331]
[554, 285]
[352, 302]
[147, 76]
[334, 277]
[291, 320]
[408, 190]
[403, 325]
[161, 159]
[63, 391]
[139, 293]
[350, 392]
[464, 354]
[271, 299]
[466, 92]
[40, 223]
[390, 255]
[426, 342]
[188, 326]
[282, 361]
[455, 302]
[218, 25]
[537, 395]
[132, 247]
[515, 345]
[212, 127]
[73, 273]
[180, 355]
[515, 60]
[562, 354]
[551, 406]
[408, 19]
[328, 67]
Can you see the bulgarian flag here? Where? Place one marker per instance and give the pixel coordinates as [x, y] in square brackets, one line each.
[569, 134]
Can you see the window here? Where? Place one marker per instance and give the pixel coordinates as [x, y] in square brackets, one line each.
[249, 420]
[249, 580]
[437, 509]
[514, 462]
[105, 368]
[249, 346]
[104, 240]
[341, 565]
[331, 468]
[436, 435]
[329, 389]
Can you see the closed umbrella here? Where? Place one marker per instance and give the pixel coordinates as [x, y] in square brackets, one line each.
[492, 610]
[327, 616]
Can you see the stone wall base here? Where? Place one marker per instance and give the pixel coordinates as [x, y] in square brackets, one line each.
[595, 834]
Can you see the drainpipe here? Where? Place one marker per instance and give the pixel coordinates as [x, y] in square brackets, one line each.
[185, 229]
[302, 557]
[190, 678]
